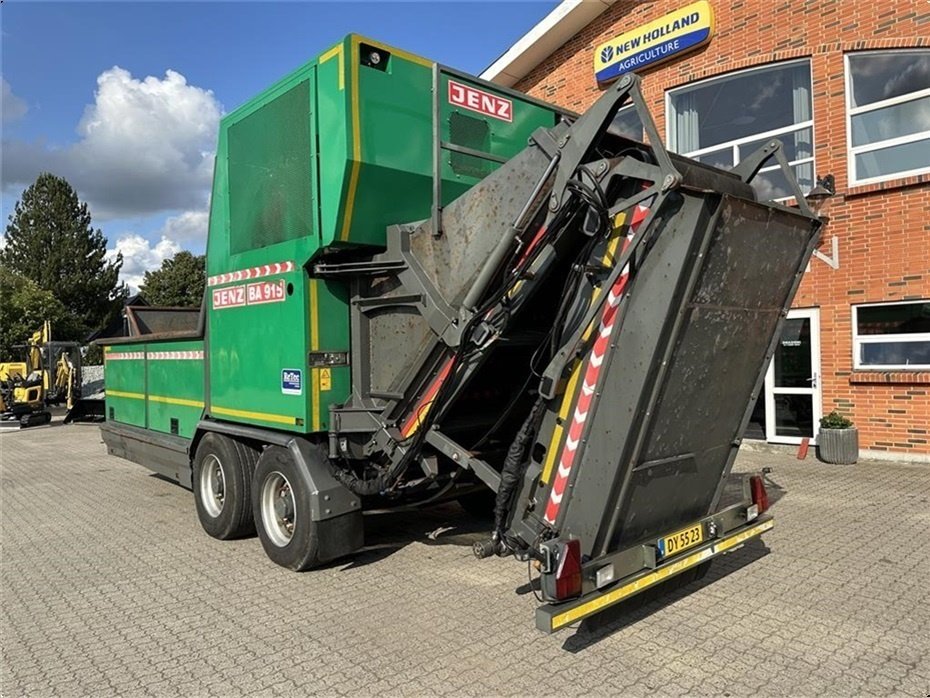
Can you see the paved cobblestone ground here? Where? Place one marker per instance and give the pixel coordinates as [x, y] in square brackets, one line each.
[110, 586]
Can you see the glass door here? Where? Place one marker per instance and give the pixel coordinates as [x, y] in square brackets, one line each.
[792, 384]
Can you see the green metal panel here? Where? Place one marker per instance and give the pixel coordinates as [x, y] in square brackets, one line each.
[329, 333]
[472, 128]
[334, 161]
[387, 114]
[273, 217]
[175, 386]
[253, 340]
[390, 121]
[251, 344]
[125, 384]
[269, 172]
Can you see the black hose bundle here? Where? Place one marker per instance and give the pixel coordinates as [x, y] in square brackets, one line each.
[514, 467]
[365, 487]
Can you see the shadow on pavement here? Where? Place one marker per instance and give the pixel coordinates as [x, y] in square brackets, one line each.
[774, 490]
[442, 524]
[640, 607]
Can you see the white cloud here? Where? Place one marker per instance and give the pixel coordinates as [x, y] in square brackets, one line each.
[139, 256]
[145, 146]
[190, 226]
[13, 107]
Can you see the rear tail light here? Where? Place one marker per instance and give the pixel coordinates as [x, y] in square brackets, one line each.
[568, 571]
[759, 496]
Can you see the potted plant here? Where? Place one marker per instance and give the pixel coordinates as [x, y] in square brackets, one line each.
[838, 440]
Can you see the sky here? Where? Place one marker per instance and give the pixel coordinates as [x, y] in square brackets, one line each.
[123, 99]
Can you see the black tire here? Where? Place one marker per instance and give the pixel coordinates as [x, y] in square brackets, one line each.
[281, 510]
[223, 493]
[479, 504]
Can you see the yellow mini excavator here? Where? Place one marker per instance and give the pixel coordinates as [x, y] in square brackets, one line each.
[48, 374]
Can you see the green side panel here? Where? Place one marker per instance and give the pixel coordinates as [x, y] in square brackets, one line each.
[251, 344]
[392, 148]
[330, 333]
[125, 384]
[269, 172]
[218, 229]
[264, 205]
[471, 128]
[376, 161]
[175, 386]
[334, 159]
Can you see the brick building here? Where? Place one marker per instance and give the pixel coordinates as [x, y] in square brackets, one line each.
[845, 84]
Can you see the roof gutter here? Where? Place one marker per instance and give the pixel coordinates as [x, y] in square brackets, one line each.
[540, 42]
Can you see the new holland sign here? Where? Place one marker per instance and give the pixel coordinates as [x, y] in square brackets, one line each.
[675, 33]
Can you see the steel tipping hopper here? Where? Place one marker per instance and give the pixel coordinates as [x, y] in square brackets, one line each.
[648, 394]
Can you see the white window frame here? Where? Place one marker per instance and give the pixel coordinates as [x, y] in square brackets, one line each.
[859, 340]
[853, 151]
[735, 145]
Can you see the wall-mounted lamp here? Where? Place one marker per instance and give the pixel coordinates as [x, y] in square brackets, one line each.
[824, 189]
[817, 198]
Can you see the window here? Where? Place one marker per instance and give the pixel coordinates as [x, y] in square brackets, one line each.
[723, 120]
[892, 335]
[888, 112]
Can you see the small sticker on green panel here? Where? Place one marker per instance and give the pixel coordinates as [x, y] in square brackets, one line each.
[292, 381]
[326, 379]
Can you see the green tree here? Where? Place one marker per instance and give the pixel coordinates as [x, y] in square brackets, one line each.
[23, 308]
[179, 282]
[49, 240]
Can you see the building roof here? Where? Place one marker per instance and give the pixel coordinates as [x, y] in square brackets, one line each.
[540, 42]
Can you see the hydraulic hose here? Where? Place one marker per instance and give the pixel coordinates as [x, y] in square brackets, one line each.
[363, 487]
[514, 467]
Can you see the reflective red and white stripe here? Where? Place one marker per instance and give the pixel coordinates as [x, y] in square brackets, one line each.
[251, 273]
[589, 383]
[124, 355]
[176, 355]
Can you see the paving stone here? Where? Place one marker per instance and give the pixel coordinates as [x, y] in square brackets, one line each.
[109, 586]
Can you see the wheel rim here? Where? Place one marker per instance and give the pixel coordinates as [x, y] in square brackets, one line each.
[212, 485]
[279, 509]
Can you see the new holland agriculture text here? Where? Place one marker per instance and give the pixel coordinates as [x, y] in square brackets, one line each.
[677, 32]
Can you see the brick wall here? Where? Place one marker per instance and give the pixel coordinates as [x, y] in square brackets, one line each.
[883, 230]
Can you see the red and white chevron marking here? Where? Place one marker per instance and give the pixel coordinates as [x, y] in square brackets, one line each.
[589, 383]
[124, 355]
[176, 355]
[251, 273]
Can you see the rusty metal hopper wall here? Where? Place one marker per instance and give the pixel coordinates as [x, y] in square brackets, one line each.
[472, 226]
[695, 335]
[147, 320]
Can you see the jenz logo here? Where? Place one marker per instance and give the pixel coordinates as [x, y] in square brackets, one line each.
[480, 101]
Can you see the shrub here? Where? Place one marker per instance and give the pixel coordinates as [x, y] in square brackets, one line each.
[835, 420]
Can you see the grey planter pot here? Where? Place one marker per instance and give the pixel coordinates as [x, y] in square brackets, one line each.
[839, 446]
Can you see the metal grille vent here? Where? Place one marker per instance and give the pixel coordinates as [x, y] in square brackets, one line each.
[269, 173]
[471, 133]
